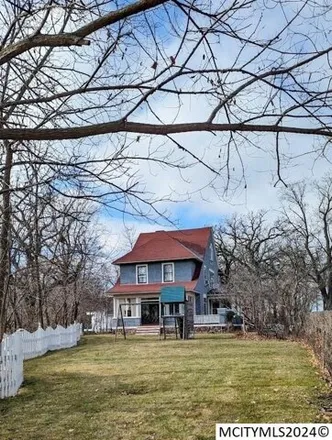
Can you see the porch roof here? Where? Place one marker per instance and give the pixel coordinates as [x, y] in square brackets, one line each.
[132, 289]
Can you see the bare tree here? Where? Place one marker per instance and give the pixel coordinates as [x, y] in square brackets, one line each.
[55, 259]
[308, 213]
[267, 276]
[246, 251]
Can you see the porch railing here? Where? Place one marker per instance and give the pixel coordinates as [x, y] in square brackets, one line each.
[207, 319]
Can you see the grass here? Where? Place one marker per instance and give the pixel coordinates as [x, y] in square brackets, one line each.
[146, 389]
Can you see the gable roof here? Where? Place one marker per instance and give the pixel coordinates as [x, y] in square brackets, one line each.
[168, 245]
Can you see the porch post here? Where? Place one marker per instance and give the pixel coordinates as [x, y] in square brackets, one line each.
[138, 307]
[115, 307]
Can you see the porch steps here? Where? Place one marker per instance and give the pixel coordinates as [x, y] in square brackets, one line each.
[148, 330]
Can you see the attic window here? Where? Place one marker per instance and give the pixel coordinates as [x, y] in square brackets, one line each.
[168, 272]
[142, 274]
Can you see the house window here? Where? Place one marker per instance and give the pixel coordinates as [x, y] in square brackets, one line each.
[142, 274]
[211, 252]
[168, 272]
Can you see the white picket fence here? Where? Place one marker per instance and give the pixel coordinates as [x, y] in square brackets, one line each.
[22, 345]
[11, 365]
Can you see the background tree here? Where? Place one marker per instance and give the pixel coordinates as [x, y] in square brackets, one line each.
[267, 273]
[308, 217]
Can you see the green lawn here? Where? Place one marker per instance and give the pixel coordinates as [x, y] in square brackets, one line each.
[146, 389]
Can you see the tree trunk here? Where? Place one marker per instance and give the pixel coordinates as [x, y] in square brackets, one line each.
[4, 237]
[327, 298]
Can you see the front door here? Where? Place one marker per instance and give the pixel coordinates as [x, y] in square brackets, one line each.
[150, 314]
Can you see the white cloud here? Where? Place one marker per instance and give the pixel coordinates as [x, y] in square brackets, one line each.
[112, 233]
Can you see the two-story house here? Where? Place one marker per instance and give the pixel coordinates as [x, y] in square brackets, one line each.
[179, 258]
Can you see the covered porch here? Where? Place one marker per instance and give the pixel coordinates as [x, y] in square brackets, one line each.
[136, 311]
[144, 310]
[214, 301]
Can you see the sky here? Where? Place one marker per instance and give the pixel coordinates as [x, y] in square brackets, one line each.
[208, 208]
[198, 197]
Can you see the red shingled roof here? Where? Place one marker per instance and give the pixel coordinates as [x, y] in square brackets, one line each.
[129, 289]
[168, 245]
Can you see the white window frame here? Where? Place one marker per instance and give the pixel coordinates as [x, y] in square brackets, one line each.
[162, 272]
[147, 273]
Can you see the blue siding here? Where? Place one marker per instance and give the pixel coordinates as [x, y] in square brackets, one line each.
[201, 287]
[128, 274]
[128, 322]
[154, 272]
[184, 271]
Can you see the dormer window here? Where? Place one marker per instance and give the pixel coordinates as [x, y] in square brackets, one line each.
[168, 272]
[142, 274]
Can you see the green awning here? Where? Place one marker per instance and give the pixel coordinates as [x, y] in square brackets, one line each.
[172, 294]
